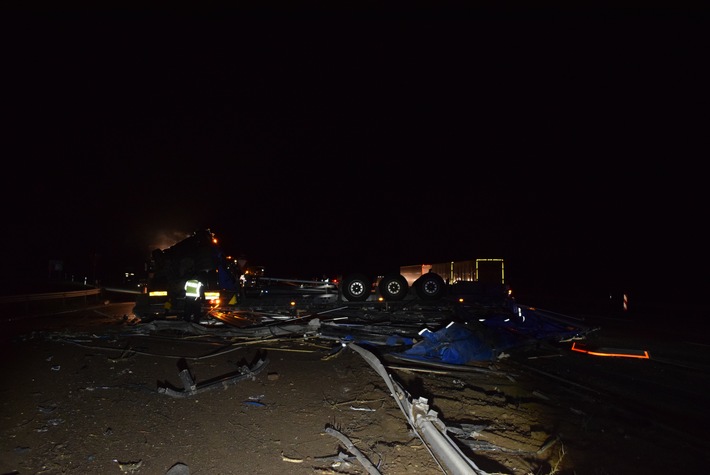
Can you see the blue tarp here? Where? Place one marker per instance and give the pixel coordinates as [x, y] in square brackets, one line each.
[485, 339]
[456, 344]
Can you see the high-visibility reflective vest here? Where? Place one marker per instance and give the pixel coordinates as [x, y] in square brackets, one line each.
[192, 288]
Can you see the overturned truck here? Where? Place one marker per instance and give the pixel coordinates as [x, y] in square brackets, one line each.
[194, 279]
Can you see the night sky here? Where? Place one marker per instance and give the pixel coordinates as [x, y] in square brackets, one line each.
[317, 141]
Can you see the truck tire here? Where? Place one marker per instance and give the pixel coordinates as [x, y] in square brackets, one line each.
[393, 287]
[356, 288]
[430, 286]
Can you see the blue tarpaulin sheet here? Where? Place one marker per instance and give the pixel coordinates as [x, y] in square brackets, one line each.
[456, 344]
[463, 342]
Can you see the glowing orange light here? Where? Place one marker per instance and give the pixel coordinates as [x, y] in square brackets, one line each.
[615, 352]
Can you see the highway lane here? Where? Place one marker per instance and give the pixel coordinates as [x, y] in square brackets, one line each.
[667, 393]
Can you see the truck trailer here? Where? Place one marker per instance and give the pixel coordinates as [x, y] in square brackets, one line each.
[490, 271]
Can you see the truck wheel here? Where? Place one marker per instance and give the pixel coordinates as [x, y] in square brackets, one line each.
[393, 287]
[430, 286]
[357, 288]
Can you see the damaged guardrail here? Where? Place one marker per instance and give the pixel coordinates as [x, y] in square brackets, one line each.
[190, 388]
[425, 423]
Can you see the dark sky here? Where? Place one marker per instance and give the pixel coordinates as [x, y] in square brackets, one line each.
[570, 142]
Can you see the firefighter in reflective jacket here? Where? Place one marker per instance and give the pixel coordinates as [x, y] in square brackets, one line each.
[193, 300]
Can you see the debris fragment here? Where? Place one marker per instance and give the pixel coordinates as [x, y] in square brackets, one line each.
[549, 443]
[178, 469]
[289, 459]
[129, 467]
[254, 403]
[371, 469]
[540, 395]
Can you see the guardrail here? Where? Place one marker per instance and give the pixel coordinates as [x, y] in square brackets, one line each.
[45, 301]
[50, 296]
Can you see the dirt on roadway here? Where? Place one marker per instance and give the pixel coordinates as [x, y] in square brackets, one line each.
[85, 392]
